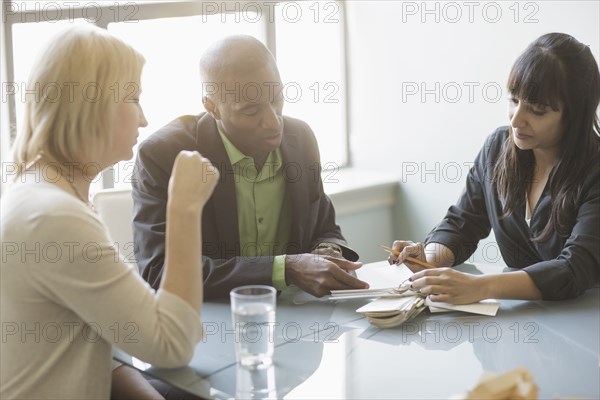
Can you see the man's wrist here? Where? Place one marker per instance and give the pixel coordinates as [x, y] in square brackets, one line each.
[329, 245]
[278, 276]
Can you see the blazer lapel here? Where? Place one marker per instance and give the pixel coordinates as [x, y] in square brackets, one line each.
[223, 200]
[297, 191]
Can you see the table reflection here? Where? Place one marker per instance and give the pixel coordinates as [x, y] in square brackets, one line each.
[255, 383]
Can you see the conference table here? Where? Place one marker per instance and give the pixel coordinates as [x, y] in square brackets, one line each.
[324, 349]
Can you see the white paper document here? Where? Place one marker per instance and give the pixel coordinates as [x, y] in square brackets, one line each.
[382, 275]
[382, 279]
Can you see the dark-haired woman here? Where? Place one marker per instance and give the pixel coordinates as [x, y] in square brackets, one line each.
[536, 183]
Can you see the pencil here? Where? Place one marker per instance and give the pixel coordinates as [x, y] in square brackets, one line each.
[409, 258]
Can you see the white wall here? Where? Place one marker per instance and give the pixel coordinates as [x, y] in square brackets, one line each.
[429, 143]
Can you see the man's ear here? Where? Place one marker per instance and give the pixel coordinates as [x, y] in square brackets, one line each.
[211, 107]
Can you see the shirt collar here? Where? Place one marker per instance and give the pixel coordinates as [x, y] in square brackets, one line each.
[235, 155]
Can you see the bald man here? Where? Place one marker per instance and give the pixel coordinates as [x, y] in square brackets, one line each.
[268, 220]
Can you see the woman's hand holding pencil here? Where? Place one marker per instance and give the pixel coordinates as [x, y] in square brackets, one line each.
[408, 252]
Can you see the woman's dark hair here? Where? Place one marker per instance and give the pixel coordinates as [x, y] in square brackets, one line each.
[555, 69]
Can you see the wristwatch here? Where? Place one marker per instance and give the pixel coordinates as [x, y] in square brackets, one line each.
[329, 245]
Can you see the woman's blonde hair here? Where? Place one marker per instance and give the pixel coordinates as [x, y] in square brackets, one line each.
[72, 94]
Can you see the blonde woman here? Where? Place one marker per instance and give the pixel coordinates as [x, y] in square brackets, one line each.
[67, 296]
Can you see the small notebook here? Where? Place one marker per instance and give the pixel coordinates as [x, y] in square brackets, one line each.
[387, 305]
[390, 309]
[484, 307]
[386, 313]
[390, 312]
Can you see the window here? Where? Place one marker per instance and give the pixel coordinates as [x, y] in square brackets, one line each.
[26, 46]
[307, 38]
[310, 50]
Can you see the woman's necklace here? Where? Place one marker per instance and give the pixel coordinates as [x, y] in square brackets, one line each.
[70, 182]
[79, 196]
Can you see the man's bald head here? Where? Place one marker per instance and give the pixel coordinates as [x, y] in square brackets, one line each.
[243, 92]
[234, 58]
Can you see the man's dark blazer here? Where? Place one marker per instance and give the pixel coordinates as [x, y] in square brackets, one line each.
[313, 216]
